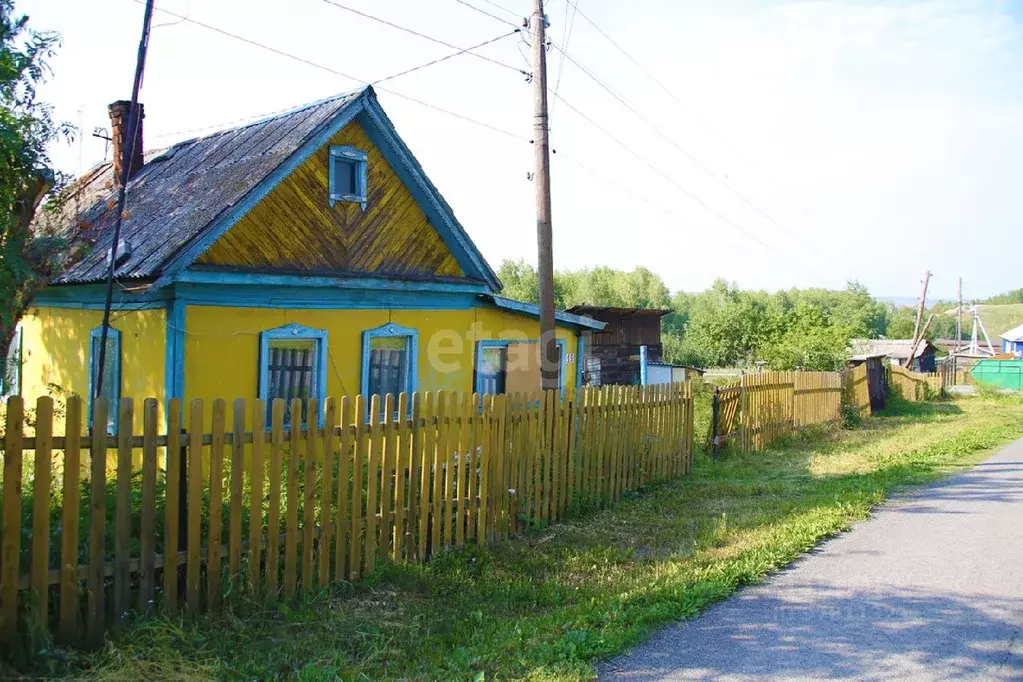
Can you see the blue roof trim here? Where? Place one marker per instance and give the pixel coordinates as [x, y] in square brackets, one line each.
[383, 134]
[93, 297]
[340, 282]
[533, 310]
[193, 250]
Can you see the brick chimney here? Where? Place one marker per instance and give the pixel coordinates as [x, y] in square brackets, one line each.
[119, 136]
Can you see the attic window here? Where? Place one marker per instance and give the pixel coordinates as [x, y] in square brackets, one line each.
[347, 175]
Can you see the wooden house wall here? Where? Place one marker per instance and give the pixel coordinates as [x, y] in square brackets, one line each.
[227, 338]
[55, 353]
[295, 228]
[628, 331]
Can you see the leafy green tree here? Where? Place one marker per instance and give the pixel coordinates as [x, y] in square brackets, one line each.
[29, 256]
[520, 281]
[1008, 298]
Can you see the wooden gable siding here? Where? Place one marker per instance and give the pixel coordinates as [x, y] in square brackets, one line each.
[295, 228]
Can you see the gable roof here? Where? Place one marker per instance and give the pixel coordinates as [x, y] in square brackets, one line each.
[1015, 334]
[188, 195]
[891, 348]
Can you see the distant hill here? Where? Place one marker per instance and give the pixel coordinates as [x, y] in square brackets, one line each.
[998, 319]
[907, 301]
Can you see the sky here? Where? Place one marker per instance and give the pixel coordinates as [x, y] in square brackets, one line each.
[774, 144]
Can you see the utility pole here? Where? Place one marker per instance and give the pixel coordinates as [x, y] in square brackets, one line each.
[920, 306]
[126, 161]
[549, 365]
[959, 314]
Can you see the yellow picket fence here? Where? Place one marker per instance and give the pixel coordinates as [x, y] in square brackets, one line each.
[914, 386]
[761, 407]
[857, 389]
[270, 507]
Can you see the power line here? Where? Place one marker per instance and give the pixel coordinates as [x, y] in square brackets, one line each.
[611, 91]
[674, 182]
[410, 31]
[467, 50]
[132, 126]
[618, 184]
[566, 38]
[489, 14]
[666, 90]
[332, 71]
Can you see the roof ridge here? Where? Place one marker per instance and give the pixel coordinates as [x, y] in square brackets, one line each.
[278, 114]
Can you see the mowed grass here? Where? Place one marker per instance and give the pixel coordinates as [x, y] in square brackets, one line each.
[551, 605]
[997, 319]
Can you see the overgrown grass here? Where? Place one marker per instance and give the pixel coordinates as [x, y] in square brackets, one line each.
[550, 605]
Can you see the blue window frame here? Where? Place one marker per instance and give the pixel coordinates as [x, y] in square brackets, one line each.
[347, 175]
[390, 360]
[11, 383]
[292, 364]
[111, 373]
[492, 365]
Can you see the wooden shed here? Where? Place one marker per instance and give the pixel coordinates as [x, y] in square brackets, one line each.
[618, 349]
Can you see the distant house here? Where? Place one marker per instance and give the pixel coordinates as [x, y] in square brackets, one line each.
[897, 351]
[1012, 341]
[627, 351]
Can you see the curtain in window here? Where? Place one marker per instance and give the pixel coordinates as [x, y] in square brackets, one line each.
[493, 371]
[291, 374]
[388, 365]
[110, 389]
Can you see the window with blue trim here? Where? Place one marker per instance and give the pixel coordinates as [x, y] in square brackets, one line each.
[292, 364]
[10, 381]
[390, 363]
[348, 167]
[111, 384]
[512, 366]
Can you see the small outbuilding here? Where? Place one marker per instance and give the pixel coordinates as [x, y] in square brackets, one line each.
[897, 351]
[627, 350]
[1012, 341]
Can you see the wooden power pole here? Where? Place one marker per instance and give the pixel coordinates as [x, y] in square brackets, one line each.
[959, 314]
[920, 307]
[549, 365]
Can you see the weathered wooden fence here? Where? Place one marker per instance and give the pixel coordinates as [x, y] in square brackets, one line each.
[914, 386]
[761, 407]
[857, 389]
[268, 509]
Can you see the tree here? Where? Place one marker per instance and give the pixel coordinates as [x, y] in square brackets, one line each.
[29, 256]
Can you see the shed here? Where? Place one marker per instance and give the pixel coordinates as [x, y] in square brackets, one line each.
[897, 351]
[629, 343]
[1012, 341]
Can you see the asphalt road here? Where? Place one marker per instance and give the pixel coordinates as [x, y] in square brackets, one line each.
[930, 588]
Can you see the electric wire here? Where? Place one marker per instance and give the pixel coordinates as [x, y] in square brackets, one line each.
[678, 185]
[566, 38]
[489, 14]
[682, 105]
[474, 121]
[410, 31]
[332, 71]
[699, 164]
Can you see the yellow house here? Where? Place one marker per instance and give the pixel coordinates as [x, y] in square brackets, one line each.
[304, 255]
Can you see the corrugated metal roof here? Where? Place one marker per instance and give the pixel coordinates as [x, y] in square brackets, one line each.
[592, 310]
[181, 190]
[892, 348]
[533, 310]
[1015, 334]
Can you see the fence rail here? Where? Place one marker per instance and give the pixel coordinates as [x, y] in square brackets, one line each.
[914, 386]
[761, 407]
[224, 503]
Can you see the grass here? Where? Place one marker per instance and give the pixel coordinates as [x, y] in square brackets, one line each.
[998, 319]
[552, 604]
